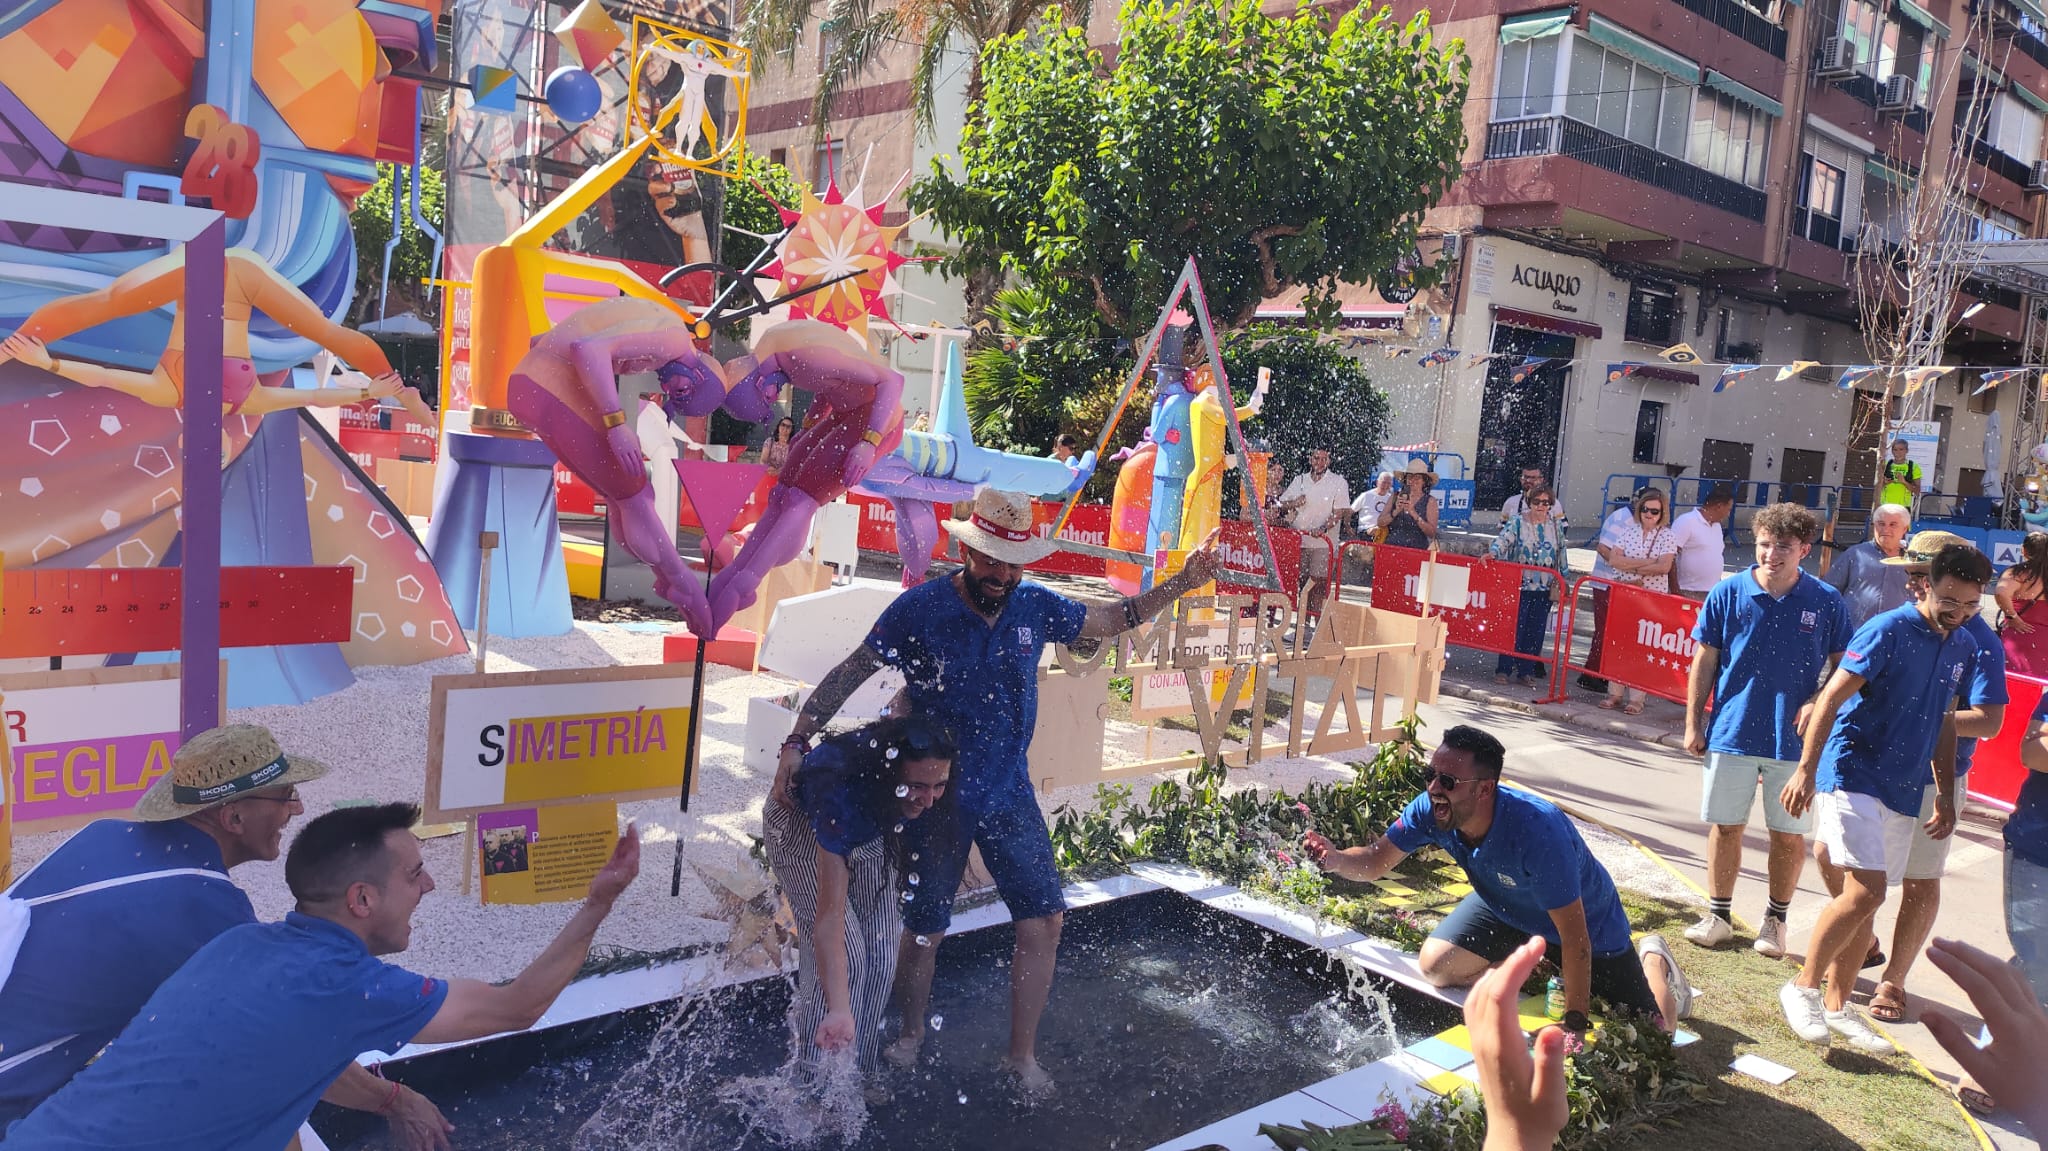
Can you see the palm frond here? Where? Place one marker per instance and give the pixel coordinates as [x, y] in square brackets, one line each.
[863, 33]
[773, 28]
[925, 73]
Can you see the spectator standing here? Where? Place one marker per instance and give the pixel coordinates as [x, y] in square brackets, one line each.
[1374, 508]
[1767, 638]
[1065, 447]
[1901, 480]
[1533, 478]
[1980, 712]
[1610, 534]
[1535, 538]
[775, 453]
[1886, 713]
[1870, 585]
[1702, 546]
[1314, 502]
[1642, 554]
[1414, 518]
[2023, 632]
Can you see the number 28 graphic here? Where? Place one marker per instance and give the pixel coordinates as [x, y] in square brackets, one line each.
[223, 166]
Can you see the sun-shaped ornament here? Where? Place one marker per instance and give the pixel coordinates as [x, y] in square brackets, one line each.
[838, 242]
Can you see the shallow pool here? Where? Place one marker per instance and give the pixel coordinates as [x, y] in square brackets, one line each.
[1166, 1016]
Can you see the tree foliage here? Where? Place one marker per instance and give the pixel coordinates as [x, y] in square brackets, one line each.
[1290, 150]
[412, 262]
[753, 203]
[1319, 398]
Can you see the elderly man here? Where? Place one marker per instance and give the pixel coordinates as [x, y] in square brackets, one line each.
[1872, 586]
[122, 905]
[968, 648]
[1373, 507]
[234, 1049]
[1533, 478]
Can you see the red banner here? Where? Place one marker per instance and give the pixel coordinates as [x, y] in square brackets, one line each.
[96, 611]
[1996, 772]
[1089, 524]
[1240, 545]
[574, 496]
[1492, 596]
[1647, 641]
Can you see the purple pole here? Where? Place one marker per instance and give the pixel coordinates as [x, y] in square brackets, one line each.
[205, 284]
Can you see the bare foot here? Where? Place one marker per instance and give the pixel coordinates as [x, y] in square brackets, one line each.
[1032, 1080]
[903, 1052]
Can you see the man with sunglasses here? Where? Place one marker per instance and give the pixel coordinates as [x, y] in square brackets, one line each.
[1886, 713]
[1531, 875]
[123, 904]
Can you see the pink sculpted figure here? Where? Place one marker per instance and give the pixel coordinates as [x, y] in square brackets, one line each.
[856, 418]
[566, 390]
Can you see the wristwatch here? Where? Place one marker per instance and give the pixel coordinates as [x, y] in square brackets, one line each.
[1576, 1021]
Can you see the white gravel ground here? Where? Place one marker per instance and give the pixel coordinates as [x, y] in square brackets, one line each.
[373, 736]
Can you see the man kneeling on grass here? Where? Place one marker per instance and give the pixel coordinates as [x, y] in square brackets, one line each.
[232, 1052]
[1531, 874]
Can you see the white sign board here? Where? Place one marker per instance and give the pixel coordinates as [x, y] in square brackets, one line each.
[87, 743]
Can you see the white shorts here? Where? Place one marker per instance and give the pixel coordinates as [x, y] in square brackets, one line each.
[1728, 788]
[1862, 834]
[1927, 857]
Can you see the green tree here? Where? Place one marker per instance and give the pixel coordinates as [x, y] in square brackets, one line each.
[411, 263]
[753, 203]
[1290, 150]
[1318, 398]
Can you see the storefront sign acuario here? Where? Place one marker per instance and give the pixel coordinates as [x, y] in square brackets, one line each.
[1558, 284]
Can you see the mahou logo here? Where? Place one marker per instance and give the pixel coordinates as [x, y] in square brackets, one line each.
[1657, 637]
[1243, 558]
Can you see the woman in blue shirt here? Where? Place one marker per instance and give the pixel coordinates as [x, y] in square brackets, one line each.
[838, 852]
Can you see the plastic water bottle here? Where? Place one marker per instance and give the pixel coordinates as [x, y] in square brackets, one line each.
[1553, 999]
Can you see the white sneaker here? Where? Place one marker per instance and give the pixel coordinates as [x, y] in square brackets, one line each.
[1681, 988]
[1805, 1011]
[1710, 931]
[1770, 938]
[1850, 1024]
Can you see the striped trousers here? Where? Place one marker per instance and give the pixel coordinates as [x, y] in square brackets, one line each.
[874, 928]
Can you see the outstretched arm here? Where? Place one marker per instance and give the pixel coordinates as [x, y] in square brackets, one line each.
[826, 699]
[1108, 619]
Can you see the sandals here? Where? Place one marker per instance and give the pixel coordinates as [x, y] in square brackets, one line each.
[1633, 709]
[1976, 1100]
[1609, 704]
[1888, 1005]
[1874, 957]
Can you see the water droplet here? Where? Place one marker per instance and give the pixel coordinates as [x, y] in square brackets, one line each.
[963, 1098]
[924, 941]
[899, 829]
[907, 897]
[874, 743]
[938, 1022]
[892, 653]
[913, 857]
[913, 879]
[889, 754]
[902, 789]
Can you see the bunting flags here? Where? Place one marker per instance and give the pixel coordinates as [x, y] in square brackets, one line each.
[1732, 373]
[1680, 354]
[1794, 368]
[1440, 356]
[1993, 379]
[1854, 375]
[1617, 372]
[1917, 378]
[1526, 368]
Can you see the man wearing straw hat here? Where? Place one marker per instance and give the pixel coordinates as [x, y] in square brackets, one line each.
[121, 905]
[968, 648]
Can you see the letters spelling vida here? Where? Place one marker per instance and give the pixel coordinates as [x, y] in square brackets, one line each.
[84, 777]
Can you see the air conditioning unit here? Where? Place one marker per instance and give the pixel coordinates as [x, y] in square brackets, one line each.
[1837, 58]
[2037, 178]
[1898, 94]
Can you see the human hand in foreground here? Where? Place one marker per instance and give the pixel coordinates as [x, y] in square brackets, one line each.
[1316, 844]
[2013, 1069]
[1205, 562]
[1526, 1106]
[1797, 794]
[783, 791]
[416, 1124]
[835, 1031]
[619, 870]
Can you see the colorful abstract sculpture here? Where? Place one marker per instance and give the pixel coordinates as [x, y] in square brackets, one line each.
[838, 250]
[1202, 504]
[588, 34]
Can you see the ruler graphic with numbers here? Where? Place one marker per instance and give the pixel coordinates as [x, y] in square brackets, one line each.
[103, 611]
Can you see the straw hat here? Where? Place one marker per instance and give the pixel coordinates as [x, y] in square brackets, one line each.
[1417, 467]
[1920, 551]
[1000, 528]
[225, 763]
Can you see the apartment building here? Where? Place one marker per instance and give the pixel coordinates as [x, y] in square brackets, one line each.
[1640, 173]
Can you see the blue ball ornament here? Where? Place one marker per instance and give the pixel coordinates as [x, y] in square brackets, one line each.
[573, 94]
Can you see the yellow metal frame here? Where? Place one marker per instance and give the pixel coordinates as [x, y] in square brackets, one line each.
[725, 53]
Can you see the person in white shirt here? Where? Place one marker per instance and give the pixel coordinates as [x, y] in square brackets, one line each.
[1701, 546]
[1533, 478]
[1610, 536]
[1313, 502]
[1371, 508]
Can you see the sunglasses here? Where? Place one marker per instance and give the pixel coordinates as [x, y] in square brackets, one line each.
[1650, 511]
[1540, 503]
[1431, 777]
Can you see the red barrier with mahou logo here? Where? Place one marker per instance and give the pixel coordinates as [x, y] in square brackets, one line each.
[1493, 596]
[1240, 546]
[1646, 642]
[1996, 771]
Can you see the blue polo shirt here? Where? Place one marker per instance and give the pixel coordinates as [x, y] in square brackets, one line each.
[232, 1052]
[1883, 741]
[2026, 833]
[1530, 863]
[836, 797]
[90, 961]
[1984, 684]
[1772, 653]
[979, 679]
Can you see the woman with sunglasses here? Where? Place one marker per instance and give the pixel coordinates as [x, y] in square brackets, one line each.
[775, 453]
[837, 849]
[1642, 552]
[1532, 537]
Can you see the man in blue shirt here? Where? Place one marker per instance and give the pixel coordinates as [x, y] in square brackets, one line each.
[234, 1049]
[1980, 712]
[968, 647]
[123, 904]
[1861, 574]
[1531, 875]
[1887, 711]
[1767, 638]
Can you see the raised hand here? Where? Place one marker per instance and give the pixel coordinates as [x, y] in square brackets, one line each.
[2013, 1068]
[1526, 1105]
[619, 871]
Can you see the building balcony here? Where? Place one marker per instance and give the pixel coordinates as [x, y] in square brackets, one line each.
[1563, 136]
[1741, 21]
